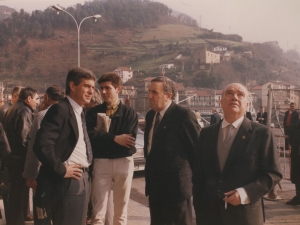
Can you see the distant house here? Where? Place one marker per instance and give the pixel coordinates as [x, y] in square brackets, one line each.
[257, 91]
[248, 54]
[166, 66]
[219, 49]
[179, 56]
[202, 57]
[128, 91]
[125, 73]
[282, 98]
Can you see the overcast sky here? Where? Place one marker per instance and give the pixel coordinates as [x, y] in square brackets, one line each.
[254, 20]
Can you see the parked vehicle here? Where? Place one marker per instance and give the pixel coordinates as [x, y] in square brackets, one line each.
[138, 157]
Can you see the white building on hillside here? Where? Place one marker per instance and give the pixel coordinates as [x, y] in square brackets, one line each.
[166, 66]
[125, 73]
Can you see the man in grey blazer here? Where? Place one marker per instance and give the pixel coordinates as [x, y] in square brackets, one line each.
[236, 166]
[171, 135]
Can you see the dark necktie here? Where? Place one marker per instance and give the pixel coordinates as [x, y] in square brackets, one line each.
[89, 153]
[156, 122]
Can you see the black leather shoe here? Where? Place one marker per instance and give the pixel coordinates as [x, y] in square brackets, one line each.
[294, 201]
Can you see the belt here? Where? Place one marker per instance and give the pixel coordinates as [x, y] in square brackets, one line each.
[84, 169]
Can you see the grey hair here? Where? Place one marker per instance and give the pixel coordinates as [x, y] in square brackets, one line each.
[240, 85]
[169, 85]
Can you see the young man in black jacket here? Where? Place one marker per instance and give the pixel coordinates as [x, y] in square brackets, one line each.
[113, 162]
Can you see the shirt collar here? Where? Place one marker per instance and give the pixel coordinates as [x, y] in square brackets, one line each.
[77, 108]
[236, 123]
[162, 112]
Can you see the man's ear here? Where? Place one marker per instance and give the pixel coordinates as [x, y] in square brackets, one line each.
[118, 89]
[72, 86]
[28, 99]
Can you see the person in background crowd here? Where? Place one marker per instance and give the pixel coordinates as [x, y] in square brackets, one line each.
[4, 173]
[113, 165]
[249, 116]
[262, 116]
[14, 98]
[170, 138]
[198, 117]
[215, 117]
[17, 123]
[291, 117]
[96, 99]
[4, 179]
[63, 148]
[31, 170]
[294, 140]
[236, 165]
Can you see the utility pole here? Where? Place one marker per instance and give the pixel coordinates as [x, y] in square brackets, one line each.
[200, 23]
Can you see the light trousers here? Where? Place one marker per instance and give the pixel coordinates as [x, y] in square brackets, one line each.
[116, 175]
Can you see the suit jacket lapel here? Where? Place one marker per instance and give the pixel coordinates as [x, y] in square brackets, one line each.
[214, 147]
[238, 145]
[149, 120]
[73, 120]
[163, 124]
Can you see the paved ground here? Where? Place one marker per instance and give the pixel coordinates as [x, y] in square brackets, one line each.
[277, 212]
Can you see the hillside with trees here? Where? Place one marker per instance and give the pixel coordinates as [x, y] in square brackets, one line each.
[39, 48]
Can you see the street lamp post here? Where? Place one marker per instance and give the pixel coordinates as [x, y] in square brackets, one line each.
[58, 9]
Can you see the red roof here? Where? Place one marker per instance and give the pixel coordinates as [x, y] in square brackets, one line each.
[281, 83]
[147, 79]
[257, 88]
[123, 68]
[204, 92]
[219, 92]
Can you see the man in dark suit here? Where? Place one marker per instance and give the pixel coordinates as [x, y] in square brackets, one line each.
[236, 165]
[171, 135]
[291, 117]
[249, 116]
[63, 148]
[17, 122]
[262, 116]
[215, 117]
[295, 162]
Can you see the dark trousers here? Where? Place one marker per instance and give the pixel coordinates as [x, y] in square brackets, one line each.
[162, 213]
[71, 208]
[297, 186]
[287, 132]
[18, 196]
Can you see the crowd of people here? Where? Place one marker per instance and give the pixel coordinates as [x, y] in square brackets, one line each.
[75, 169]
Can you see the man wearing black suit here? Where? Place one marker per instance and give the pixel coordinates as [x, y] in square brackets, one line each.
[236, 165]
[291, 117]
[63, 147]
[215, 117]
[249, 116]
[171, 134]
[262, 116]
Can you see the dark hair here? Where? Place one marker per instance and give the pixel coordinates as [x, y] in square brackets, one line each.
[26, 92]
[114, 78]
[292, 103]
[96, 98]
[169, 86]
[16, 90]
[55, 93]
[76, 75]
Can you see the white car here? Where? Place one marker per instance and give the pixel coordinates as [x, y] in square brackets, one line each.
[138, 157]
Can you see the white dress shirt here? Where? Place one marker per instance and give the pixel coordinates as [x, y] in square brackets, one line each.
[78, 156]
